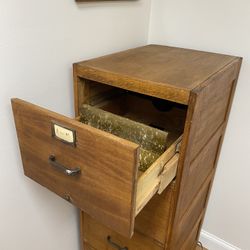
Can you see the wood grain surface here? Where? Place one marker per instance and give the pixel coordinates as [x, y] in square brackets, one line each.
[203, 81]
[96, 235]
[208, 112]
[166, 72]
[105, 189]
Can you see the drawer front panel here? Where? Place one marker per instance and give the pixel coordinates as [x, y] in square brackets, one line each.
[100, 237]
[103, 184]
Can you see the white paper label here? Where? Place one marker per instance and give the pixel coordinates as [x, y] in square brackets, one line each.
[64, 134]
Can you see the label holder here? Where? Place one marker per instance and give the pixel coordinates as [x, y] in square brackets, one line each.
[63, 133]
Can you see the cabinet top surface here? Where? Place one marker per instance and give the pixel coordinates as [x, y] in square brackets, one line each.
[156, 66]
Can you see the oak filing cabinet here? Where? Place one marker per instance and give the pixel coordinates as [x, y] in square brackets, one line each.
[184, 93]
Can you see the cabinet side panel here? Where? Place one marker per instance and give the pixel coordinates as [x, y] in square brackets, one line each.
[81, 91]
[211, 109]
[190, 242]
[208, 112]
[188, 222]
[200, 168]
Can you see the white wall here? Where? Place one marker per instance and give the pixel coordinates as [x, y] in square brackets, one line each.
[224, 27]
[39, 41]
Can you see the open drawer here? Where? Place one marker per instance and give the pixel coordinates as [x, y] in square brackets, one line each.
[94, 170]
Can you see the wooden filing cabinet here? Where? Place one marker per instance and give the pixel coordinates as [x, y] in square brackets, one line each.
[185, 92]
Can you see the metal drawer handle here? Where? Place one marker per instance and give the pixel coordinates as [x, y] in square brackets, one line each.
[63, 169]
[116, 246]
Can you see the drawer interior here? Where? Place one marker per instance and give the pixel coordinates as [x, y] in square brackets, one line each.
[103, 105]
[159, 113]
[152, 141]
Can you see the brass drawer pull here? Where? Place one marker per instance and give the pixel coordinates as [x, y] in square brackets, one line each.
[63, 169]
[116, 246]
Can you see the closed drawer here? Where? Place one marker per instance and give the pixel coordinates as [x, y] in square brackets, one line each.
[99, 237]
[96, 171]
[152, 226]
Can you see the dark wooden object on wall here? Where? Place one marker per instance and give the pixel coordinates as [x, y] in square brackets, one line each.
[93, 0]
[188, 93]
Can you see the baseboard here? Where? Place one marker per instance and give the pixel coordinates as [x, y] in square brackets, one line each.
[212, 242]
